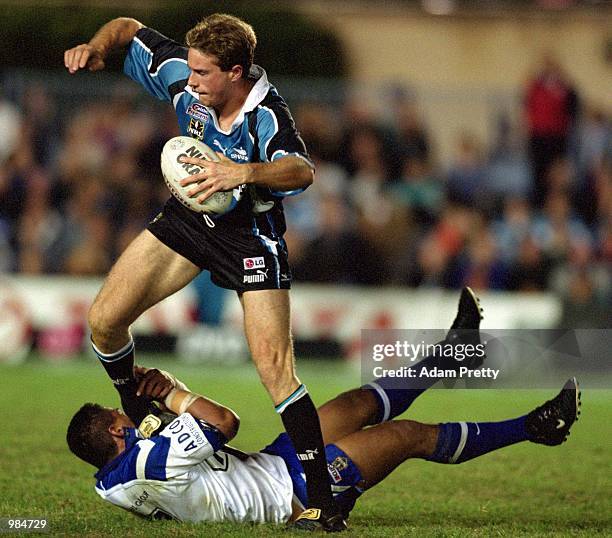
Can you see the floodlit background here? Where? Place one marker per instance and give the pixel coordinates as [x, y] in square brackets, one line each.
[457, 142]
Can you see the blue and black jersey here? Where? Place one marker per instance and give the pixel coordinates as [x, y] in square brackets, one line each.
[263, 131]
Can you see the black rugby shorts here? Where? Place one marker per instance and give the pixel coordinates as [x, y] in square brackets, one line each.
[238, 257]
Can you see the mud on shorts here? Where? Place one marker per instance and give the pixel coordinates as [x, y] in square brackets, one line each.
[241, 258]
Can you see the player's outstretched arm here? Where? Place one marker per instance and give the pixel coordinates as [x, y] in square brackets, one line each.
[178, 399]
[113, 35]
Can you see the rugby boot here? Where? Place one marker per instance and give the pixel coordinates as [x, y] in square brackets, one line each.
[469, 311]
[314, 520]
[550, 423]
[465, 330]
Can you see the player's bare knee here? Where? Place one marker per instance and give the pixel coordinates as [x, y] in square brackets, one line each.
[97, 320]
[424, 437]
[411, 434]
[104, 324]
[362, 404]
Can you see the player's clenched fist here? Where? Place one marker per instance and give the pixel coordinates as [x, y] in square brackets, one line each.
[83, 56]
[113, 35]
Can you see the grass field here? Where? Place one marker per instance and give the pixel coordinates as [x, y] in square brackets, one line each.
[521, 490]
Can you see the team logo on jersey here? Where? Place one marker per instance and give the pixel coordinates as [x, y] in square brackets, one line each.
[239, 154]
[236, 154]
[196, 128]
[149, 426]
[197, 111]
[335, 467]
[254, 263]
[340, 463]
[334, 473]
[258, 277]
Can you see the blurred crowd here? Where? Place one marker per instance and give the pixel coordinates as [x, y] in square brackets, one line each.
[528, 210]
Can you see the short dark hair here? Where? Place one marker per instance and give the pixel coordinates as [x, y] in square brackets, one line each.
[231, 40]
[88, 437]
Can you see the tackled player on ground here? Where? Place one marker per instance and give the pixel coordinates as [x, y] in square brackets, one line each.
[185, 471]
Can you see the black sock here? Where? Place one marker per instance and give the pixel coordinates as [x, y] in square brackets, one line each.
[120, 368]
[301, 422]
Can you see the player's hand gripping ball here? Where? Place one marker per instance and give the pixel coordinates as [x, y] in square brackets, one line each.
[174, 171]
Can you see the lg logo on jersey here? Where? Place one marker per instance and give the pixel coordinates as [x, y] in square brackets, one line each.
[254, 263]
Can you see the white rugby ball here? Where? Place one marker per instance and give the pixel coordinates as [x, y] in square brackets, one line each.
[174, 171]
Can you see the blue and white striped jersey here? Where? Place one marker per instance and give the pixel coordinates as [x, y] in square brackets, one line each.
[263, 131]
[180, 474]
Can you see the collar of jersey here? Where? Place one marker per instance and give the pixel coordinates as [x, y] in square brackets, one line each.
[256, 95]
[131, 438]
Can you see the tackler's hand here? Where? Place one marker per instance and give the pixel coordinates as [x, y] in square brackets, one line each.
[154, 384]
[139, 372]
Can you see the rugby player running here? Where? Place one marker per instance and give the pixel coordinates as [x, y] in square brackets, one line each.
[223, 99]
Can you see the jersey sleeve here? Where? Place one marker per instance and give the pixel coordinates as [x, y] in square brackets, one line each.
[157, 63]
[278, 137]
[185, 442]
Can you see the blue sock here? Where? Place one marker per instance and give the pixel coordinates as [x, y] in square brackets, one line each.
[462, 441]
[392, 401]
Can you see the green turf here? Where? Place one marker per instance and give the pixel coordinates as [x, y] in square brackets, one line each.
[521, 490]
